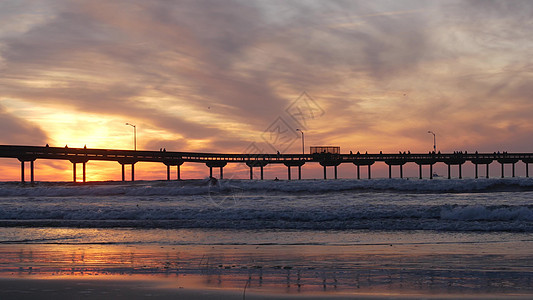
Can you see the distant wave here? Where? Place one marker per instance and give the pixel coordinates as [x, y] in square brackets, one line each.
[374, 217]
[201, 187]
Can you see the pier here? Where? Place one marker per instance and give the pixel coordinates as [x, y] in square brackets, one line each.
[29, 154]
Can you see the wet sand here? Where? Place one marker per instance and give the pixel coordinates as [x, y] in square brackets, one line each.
[400, 270]
[149, 288]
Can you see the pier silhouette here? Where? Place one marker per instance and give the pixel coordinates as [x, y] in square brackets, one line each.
[220, 160]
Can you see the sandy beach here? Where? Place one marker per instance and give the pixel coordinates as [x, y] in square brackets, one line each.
[398, 271]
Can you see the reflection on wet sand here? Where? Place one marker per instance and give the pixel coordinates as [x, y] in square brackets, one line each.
[288, 269]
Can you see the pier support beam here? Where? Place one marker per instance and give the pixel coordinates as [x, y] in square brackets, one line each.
[527, 162]
[459, 165]
[84, 169]
[508, 160]
[475, 166]
[123, 165]
[363, 162]
[173, 162]
[330, 163]
[482, 160]
[391, 163]
[216, 164]
[74, 172]
[256, 163]
[32, 173]
[22, 175]
[295, 163]
[22, 169]
[421, 165]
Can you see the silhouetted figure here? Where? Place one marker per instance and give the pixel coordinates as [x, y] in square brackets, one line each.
[278, 153]
[276, 179]
[47, 145]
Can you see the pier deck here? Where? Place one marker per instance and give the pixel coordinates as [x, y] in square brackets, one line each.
[220, 160]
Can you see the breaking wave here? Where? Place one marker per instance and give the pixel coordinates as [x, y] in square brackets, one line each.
[202, 187]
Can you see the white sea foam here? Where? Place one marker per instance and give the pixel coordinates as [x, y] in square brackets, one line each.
[382, 204]
[199, 187]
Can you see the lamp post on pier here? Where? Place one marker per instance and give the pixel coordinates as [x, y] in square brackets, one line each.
[434, 141]
[303, 143]
[134, 136]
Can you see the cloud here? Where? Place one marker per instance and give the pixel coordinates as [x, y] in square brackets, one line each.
[18, 131]
[218, 73]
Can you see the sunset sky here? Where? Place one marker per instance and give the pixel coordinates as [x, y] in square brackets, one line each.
[216, 76]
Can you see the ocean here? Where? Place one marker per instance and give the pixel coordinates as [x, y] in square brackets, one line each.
[303, 236]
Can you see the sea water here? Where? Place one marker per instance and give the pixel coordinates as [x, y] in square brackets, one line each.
[469, 235]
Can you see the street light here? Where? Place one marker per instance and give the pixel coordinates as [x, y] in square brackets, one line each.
[303, 144]
[434, 141]
[134, 135]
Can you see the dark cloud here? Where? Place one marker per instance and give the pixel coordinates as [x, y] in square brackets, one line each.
[19, 131]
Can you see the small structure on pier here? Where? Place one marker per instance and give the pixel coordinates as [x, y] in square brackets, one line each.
[325, 149]
[328, 157]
